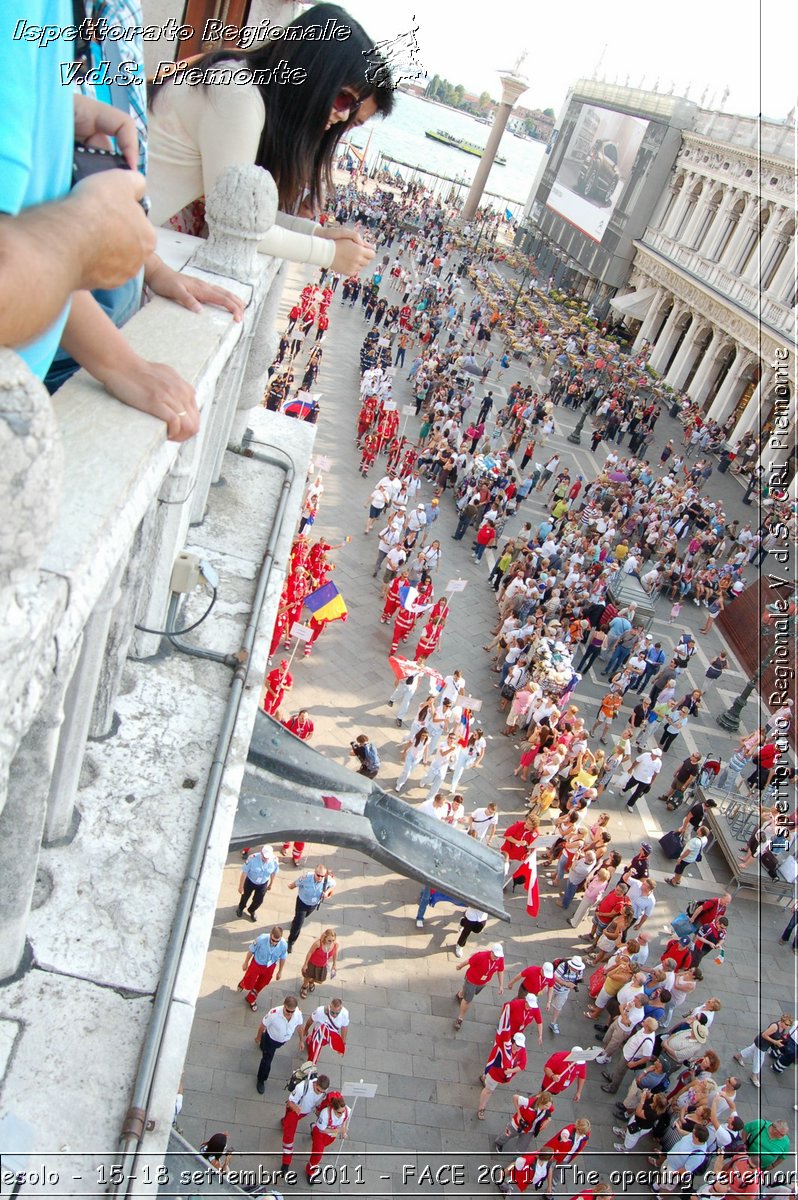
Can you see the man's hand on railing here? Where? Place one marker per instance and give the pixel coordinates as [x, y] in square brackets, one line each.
[187, 290]
[110, 236]
[351, 256]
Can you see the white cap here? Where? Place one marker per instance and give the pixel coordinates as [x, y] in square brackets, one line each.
[656, 752]
[576, 963]
[498, 949]
[548, 970]
[267, 851]
[519, 1039]
[531, 1000]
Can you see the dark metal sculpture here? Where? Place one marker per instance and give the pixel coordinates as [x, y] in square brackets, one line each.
[293, 791]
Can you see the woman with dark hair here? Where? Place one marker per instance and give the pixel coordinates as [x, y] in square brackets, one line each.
[284, 107]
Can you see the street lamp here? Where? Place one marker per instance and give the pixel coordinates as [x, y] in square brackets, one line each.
[575, 436]
[521, 286]
[730, 720]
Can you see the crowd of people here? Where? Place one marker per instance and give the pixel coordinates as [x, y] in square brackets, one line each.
[554, 581]
[556, 619]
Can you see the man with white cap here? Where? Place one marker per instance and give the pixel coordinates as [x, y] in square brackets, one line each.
[517, 1014]
[645, 769]
[566, 1066]
[533, 979]
[257, 878]
[506, 1060]
[480, 969]
[567, 976]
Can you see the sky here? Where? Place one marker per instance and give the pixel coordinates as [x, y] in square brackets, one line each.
[746, 46]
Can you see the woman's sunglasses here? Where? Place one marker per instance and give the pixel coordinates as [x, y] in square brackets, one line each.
[346, 102]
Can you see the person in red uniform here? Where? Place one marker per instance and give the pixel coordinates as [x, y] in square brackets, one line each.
[308, 1094]
[517, 1014]
[392, 598]
[528, 1171]
[608, 907]
[479, 970]
[365, 418]
[402, 628]
[569, 1142]
[680, 951]
[332, 1121]
[534, 979]
[300, 724]
[506, 1060]
[278, 682]
[518, 841]
[564, 1067]
[531, 1115]
[428, 642]
[369, 452]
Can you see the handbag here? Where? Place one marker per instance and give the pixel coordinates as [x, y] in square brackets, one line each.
[682, 926]
[596, 982]
[770, 863]
[713, 671]
[508, 691]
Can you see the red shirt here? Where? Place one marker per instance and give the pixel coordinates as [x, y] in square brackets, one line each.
[534, 980]
[519, 831]
[528, 1175]
[531, 1118]
[302, 728]
[516, 1057]
[516, 1015]
[569, 1072]
[486, 534]
[482, 966]
[681, 955]
[566, 1144]
[610, 905]
[766, 756]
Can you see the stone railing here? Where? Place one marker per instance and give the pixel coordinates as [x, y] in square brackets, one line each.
[105, 736]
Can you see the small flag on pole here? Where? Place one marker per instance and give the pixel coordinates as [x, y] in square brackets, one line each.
[528, 873]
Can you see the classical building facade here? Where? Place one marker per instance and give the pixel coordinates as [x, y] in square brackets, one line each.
[715, 275]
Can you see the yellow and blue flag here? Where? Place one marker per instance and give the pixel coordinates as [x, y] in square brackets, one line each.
[326, 603]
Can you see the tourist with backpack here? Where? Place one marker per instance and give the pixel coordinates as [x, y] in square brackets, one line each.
[366, 754]
[306, 1091]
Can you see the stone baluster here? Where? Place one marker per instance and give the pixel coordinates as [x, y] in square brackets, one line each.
[31, 606]
[240, 211]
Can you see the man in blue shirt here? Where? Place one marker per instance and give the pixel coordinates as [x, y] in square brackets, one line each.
[312, 888]
[654, 660]
[257, 878]
[265, 956]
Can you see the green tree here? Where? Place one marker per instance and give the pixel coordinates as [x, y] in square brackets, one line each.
[484, 101]
[548, 112]
[432, 86]
[459, 94]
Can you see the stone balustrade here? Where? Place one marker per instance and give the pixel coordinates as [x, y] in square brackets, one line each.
[107, 737]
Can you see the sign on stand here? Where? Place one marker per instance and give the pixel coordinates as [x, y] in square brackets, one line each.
[456, 585]
[302, 633]
[354, 1092]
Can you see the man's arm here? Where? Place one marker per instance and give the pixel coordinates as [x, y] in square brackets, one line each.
[93, 340]
[97, 236]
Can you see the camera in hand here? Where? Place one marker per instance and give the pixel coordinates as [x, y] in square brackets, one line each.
[91, 160]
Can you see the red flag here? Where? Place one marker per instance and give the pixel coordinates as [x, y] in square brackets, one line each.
[532, 894]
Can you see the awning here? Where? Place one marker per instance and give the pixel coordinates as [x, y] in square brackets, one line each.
[634, 304]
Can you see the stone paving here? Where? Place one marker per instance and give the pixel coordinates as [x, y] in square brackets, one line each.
[398, 981]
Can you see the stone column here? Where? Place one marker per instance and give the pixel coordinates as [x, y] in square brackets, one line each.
[512, 87]
[758, 259]
[744, 227]
[667, 338]
[650, 320]
[785, 275]
[680, 367]
[699, 212]
[704, 376]
[750, 416]
[728, 394]
[730, 198]
[677, 212]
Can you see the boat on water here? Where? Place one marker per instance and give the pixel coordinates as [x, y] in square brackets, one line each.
[440, 135]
